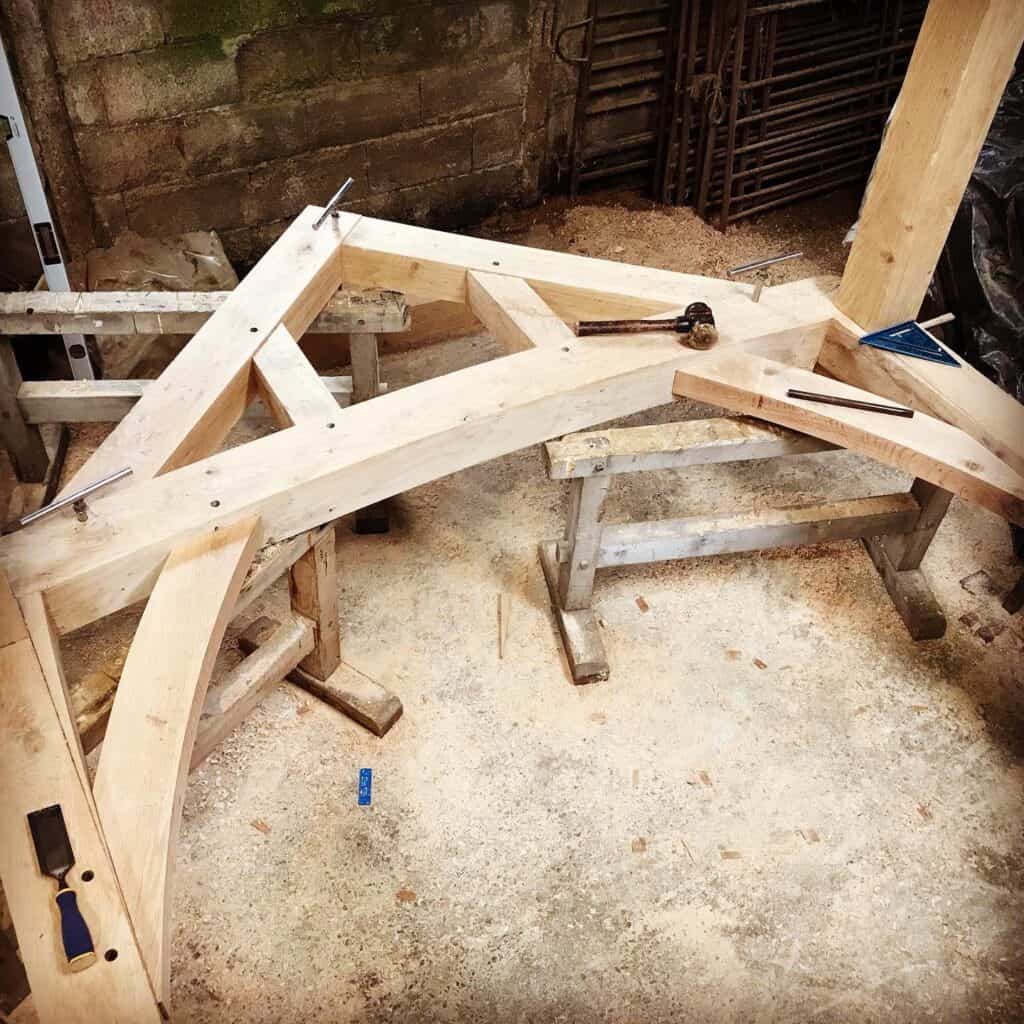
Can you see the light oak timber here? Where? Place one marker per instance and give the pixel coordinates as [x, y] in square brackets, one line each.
[202, 393]
[959, 395]
[514, 313]
[144, 762]
[107, 401]
[382, 312]
[418, 261]
[41, 763]
[922, 446]
[308, 475]
[963, 58]
[289, 386]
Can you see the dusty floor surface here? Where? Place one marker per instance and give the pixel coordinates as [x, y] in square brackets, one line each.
[778, 808]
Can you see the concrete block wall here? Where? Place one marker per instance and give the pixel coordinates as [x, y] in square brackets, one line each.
[234, 114]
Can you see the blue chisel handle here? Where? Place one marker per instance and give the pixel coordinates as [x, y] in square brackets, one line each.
[78, 947]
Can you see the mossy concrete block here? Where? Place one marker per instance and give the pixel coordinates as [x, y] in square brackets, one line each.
[293, 58]
[115, 158]
[504, 24]
[213, 204]
[419, 37]
[480, 88]
[284, 187]
[82, 29]
[167, 81]
[110, 218]
[498, 139]
[421, 156]
[83, 95]
[354, 112]
[230, 137]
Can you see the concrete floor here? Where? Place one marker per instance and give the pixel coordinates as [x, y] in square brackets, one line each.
[778, 808]
[835, 836]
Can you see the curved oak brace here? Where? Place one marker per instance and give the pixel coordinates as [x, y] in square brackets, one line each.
[144, 764]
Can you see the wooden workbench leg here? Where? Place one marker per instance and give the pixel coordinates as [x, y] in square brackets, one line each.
[314, 590]
[24, 443]
[582, 540]
[568, 567]
[366, 385]
[898, 557]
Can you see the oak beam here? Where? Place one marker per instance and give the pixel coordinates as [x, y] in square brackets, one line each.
[308, 475]
[144, 763]
[922, 446]
[204, 391]
[964, 56]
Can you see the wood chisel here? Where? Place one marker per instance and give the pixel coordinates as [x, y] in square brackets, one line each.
[56, 859]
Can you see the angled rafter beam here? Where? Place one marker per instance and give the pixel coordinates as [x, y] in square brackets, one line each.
[383, 254]
[514, 313]
[922, 446]
[959, 395]
[964, 55]
[308, 475]
[201, 395]
[41, 763]
[144, 764]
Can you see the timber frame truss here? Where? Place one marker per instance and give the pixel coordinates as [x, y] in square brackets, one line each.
[184, 529]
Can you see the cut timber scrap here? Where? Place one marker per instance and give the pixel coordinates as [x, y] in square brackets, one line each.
[144, 763]
[959, 395]
[41, 764]
[308, 475]
[964, 56]
[180, 312]
[434, 264]
[674, 446]
[514, 313]
[350, 692]
[108, 401]
[581, 635]
[288, 384]
[666, 539]
[230, 700]
[200, 396]
[922, 446]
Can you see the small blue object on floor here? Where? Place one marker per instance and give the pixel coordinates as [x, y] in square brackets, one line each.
[365, 786]
[909, 339]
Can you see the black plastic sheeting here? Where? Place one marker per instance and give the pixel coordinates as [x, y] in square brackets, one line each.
[980, 276]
